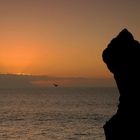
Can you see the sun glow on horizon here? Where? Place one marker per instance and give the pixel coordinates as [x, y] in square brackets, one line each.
[62, 39]
[18, 57]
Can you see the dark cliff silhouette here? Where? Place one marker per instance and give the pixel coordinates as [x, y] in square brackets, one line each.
[122, 57]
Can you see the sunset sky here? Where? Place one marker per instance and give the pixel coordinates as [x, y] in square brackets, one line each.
[63, 38]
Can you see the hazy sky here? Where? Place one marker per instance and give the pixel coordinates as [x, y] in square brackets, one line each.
[62, 37]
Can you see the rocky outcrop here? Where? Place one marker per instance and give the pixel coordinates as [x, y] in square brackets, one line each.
[122, 57]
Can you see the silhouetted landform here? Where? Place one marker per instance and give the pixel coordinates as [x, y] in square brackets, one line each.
[122, 57]
[23, 81]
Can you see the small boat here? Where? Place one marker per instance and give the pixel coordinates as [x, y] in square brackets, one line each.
[55, 85]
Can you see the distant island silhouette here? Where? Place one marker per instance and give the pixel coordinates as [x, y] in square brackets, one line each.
[122, 57]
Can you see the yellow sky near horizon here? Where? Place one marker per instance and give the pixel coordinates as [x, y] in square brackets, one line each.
[60, 37]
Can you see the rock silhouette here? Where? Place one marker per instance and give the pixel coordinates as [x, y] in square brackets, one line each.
[122, 57]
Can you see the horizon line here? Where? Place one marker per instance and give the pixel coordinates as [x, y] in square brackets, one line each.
[43, 75]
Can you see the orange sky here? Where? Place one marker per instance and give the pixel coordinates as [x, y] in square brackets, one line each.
[62, 37]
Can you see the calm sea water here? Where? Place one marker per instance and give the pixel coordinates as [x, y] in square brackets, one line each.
[56, 113]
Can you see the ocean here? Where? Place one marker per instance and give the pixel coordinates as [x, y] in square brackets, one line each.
[69, 113]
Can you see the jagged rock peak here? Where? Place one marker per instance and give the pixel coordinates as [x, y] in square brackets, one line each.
[124, 38]
[125, 34]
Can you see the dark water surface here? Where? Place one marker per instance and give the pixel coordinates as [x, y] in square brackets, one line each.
[56, 113]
